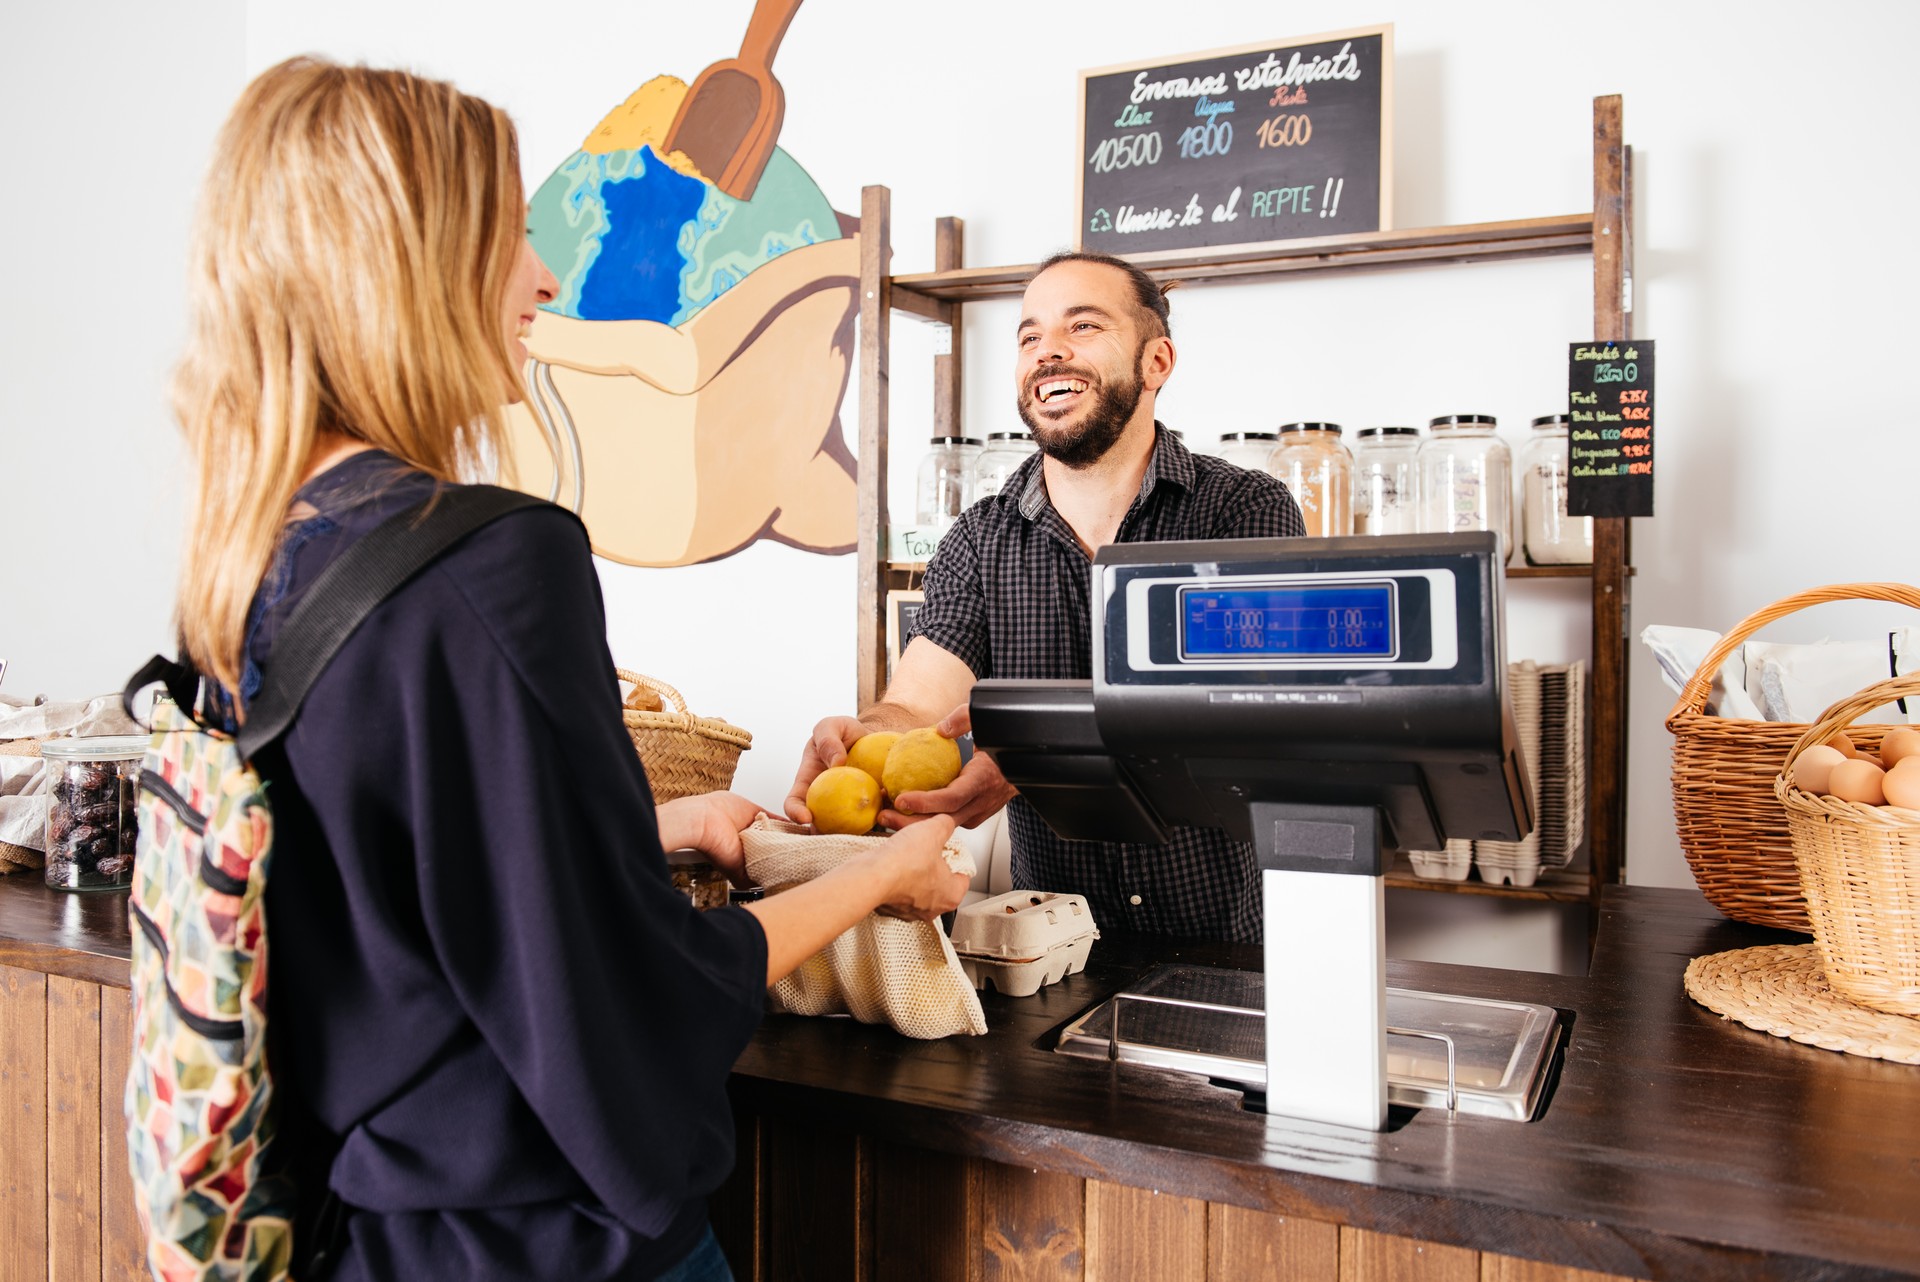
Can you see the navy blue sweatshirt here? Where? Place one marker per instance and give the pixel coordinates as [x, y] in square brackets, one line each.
[482, 980]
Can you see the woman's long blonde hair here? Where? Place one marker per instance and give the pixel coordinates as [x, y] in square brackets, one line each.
[352, 251]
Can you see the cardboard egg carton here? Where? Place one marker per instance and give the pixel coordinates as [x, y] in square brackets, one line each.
[1022, 941]
[1549, 711]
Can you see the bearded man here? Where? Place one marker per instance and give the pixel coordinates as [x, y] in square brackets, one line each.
[1007, 591]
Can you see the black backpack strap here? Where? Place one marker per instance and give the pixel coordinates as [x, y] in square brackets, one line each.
[180, 679]
[348, 590]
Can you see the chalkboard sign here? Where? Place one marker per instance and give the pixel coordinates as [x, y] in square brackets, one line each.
[1238, 146]
[1610, 441]
[903, 611]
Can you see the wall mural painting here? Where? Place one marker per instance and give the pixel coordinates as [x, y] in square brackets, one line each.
[684, 388]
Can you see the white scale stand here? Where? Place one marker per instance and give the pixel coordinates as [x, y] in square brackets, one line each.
[1326, 963]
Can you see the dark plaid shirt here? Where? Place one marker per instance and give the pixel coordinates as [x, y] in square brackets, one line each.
[1008, 592]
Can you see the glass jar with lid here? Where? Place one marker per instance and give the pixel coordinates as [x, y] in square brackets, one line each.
[1551, 537]
[1466, 478]
[1386, 480]
[92, 783]
[1003, 455]
[696, 878]
[1250, 450]
[946, 481]
[1315, 466]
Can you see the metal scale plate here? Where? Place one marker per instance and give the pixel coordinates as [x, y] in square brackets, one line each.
[1502, 1049]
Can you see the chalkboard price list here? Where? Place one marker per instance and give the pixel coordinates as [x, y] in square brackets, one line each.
[1237, 147]
[1610, 438]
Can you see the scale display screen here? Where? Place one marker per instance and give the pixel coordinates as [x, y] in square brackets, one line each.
[1295, 620]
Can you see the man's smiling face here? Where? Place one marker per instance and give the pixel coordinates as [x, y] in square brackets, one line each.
[1078, 376]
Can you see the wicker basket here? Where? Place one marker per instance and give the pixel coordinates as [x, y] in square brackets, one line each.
[1732, 828]
[684, 755]
[1860, 867]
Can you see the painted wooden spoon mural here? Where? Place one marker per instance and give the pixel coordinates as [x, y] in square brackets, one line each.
[684, 387]
[730, 119]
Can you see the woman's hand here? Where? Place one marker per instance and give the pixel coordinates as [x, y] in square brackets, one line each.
[904, 876]
[919, 884]
[710, 823]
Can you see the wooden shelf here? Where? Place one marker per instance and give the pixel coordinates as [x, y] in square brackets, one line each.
[1605, 235]
[1554, 885]
[914, 569]
[1549, 571]
[922, 294]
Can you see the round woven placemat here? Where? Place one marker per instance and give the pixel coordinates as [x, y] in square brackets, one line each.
[1781, 989]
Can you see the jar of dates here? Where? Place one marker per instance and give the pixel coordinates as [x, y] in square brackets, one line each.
[91, 786]
[697, 879]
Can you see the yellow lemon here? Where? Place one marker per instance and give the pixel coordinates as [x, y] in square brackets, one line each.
[843, 800]
[920, 761]
[869, 752]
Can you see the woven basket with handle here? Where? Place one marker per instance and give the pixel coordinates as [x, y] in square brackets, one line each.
[1860, 868]
[1732, 828]
[684, 755]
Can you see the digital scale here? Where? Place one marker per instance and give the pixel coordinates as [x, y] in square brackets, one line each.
[1325, 700]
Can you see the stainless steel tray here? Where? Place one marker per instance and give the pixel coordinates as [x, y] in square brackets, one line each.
[1200, 1019]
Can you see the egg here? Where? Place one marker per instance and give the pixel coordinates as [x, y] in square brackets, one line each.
[1814, 768]
[1839, 740]
[1898, 746]
[1860, 781]
[1902, 784]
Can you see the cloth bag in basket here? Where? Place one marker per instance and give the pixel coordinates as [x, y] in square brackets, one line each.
[1860, 868]
[684, 755]
[883, 970]
[14, 857]
[1732, 827]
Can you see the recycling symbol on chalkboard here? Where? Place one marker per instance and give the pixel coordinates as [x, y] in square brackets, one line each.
[1101, 221]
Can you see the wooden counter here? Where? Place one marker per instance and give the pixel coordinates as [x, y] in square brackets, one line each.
[66, 1204]
[1677, 1145]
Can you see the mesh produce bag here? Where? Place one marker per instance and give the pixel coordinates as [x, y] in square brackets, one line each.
[881, 971]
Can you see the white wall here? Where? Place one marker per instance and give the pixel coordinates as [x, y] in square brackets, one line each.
[1771, 248]
[107, 115]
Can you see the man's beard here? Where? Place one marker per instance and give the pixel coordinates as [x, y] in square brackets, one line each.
[1103, 426]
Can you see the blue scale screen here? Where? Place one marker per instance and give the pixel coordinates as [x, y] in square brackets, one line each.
[1308, 620]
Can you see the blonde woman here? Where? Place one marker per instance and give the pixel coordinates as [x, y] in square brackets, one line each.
[501, 1037]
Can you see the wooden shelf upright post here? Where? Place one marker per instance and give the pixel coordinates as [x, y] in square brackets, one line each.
[876, 324]
[1612, 548]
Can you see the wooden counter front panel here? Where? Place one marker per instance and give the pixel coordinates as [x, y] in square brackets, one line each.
[809, 1202]
[23, 1130]
[66, 1206]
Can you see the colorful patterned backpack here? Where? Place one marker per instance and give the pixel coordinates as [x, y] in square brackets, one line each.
[211, 1194]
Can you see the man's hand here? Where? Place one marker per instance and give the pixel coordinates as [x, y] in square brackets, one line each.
[975, 796]
[710, 823]
[826, 747]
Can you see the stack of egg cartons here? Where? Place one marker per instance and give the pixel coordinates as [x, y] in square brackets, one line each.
[1451, 864]
[1517, 863]
[1563, 762]
[1549, 709]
